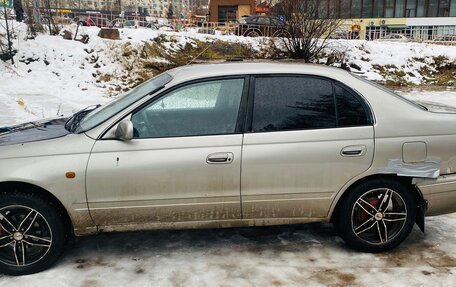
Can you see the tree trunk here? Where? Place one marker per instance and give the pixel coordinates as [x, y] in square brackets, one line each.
[8, 35]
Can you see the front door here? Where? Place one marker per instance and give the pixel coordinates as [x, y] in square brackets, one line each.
[308, 137]
[182, 165]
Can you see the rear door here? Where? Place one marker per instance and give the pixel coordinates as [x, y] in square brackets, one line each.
[307, 137]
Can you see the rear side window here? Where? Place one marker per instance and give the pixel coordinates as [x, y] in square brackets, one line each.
[263, 20]
[284, 103]
[293, 103]
[350, 109]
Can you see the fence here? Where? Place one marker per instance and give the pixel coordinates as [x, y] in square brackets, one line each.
[414, 33]
[428, 34]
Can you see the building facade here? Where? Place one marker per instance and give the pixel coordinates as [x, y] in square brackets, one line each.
[346, 9]
[154, 8]
[230, 10]
[417, 19]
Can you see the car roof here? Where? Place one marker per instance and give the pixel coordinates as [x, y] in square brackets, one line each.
[198, 71]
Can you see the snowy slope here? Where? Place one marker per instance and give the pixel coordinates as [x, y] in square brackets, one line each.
[59, 79]
[62, 69]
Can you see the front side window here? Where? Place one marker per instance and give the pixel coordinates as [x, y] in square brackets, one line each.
[205, 108]
[292, 103]
[114, 107]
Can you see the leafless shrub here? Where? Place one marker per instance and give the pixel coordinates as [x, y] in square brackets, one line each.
[309, 23]
[53, 28]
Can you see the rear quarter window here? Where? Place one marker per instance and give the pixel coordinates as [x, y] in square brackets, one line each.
[350, 109]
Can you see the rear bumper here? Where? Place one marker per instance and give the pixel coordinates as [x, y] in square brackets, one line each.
[439, 193]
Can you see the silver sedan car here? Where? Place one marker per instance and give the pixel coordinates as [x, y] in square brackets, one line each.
[227, 145]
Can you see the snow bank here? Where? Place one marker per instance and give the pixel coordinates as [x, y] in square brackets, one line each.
[53, 76]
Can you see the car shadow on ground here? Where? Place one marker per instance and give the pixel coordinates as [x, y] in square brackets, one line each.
[256, 256]
[313, 238]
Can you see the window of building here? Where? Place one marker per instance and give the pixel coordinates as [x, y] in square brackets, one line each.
[334, 9]
[356, 8]
[453, 8]
[400, 8]
[378, 8]
[432, 8]
[410, 10]
[389, 8]
[421, 8]
[323, 8]
[367, 9]
[444, 8]
[227, 13]
[345, 9]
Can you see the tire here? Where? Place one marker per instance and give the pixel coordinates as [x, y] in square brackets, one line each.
[376, 215]
[252, 33]
[32, 233]
[281, 34]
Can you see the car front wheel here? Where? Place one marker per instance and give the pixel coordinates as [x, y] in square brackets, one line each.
[32, 234]
[376, 216]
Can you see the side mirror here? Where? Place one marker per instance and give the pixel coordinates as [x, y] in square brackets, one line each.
[124, 130]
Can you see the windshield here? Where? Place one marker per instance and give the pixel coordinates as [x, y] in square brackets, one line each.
[98, 116]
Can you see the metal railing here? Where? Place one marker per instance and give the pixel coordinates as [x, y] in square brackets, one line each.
[428, 34]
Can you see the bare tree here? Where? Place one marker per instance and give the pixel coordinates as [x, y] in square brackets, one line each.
[9, 53]
[309, 23]
[53, 28]
[33, 27]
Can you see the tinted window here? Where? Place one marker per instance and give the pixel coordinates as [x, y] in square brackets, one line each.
[350, 110]
[263, 21]
[293, 103]
[276, 22]
[206, 108]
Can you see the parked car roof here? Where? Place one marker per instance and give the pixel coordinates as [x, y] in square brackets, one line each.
[226, 69]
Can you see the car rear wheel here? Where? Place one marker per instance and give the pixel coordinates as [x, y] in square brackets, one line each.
[252, 33]
[376, 216]
[32, 234]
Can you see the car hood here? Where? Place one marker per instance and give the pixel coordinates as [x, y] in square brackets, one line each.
[33, 131]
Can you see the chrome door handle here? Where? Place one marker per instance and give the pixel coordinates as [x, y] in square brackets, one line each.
[220, 157]
[353, 150]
